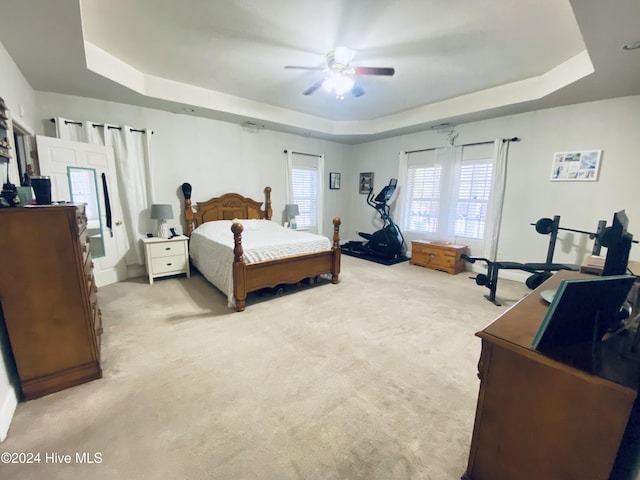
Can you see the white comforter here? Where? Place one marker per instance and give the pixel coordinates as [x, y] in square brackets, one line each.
[211, 248]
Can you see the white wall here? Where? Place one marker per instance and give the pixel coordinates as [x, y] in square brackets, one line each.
[20, 99]
[214, 157]
[217, 157]
[609, 125]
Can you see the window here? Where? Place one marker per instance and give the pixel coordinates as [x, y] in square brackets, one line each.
[304, 181]
[473, 198]
[304, 188]
[448, 191]
[423, 198]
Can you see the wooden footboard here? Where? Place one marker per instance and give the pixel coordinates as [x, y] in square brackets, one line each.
[255, 276]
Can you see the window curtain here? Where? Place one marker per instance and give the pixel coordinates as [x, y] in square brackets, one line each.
[403, 163]
[496, 202]
[289, 192]
[131, 151]
[451, 156]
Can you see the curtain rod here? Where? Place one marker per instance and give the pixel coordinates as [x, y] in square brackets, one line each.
[504, 140]
[303, 153]
[98, 125]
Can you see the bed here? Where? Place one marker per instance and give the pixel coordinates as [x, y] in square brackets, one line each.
[271, 255]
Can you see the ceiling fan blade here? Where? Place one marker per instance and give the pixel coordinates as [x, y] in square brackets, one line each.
[357, 91]
[388, 71]
[298, 67]
[313, 87]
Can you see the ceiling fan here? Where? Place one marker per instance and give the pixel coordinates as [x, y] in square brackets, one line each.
[339, 74]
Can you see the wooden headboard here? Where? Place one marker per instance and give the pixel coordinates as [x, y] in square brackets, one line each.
[224, 207]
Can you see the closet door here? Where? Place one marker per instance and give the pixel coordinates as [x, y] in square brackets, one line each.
[59, 159]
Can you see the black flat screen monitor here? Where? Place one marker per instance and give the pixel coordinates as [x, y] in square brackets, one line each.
[387, 192]
[578, 317]
[618, 242]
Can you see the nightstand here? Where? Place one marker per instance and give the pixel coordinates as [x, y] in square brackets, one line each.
[166, 256]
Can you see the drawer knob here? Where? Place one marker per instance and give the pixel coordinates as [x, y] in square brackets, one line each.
[432, 255]
[167, 248]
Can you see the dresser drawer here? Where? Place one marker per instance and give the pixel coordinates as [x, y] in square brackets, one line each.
[167, 249]
[175, 263]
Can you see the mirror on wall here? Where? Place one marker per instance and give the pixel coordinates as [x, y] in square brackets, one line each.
[83, 186]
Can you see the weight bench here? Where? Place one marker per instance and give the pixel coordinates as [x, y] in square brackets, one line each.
[539, 273]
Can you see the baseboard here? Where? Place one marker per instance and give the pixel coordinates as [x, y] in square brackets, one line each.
[134, 271]
[8, 407]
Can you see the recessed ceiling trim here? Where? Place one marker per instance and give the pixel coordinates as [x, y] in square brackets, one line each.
[105, 64]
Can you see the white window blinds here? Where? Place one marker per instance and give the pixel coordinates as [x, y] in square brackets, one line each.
[448, 191]
[304, 182]
[474, 189]
[423, 198]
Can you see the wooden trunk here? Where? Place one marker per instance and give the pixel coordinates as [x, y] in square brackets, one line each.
[438, 256]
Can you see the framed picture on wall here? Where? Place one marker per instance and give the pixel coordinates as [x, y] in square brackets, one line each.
[334, 181]
[366, 182]
[577, 166]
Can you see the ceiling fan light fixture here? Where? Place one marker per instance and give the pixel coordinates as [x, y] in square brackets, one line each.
[339, 75]
[342, 55]
[338, 83]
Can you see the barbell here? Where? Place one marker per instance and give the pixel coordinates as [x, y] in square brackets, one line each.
[546, 226]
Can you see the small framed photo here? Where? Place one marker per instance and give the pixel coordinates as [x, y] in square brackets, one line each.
[580, 166]
[366, 182]
[334, 181]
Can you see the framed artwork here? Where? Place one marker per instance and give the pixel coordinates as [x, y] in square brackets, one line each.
[334, 181]
[577, 166]
[366, 182]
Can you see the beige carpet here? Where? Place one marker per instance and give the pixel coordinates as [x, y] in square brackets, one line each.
[374, 378]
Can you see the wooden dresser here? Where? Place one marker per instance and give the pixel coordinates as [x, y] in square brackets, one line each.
[438, 256]
[539, 418]
[49, 298]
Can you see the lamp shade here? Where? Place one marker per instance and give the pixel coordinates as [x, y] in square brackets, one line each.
[291, 209]
[161, 211]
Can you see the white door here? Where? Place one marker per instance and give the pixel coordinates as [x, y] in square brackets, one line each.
[55, 156]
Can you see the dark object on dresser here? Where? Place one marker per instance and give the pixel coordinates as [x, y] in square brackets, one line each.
[49, 298]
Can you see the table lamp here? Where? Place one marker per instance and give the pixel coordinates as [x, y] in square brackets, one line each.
[291, 210]
[162, 212]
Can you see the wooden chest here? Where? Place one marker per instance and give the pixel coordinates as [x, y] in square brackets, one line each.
[438, 256]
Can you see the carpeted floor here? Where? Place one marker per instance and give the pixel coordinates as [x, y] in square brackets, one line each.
[372, 379]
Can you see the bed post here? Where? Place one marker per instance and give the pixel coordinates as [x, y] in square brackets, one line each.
[239, 270]
[188, 212]
[335, 263]
[267, 206]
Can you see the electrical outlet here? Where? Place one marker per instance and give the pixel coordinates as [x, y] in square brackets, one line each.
[499, 255]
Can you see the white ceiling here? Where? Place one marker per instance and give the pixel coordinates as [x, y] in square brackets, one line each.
[455, 60]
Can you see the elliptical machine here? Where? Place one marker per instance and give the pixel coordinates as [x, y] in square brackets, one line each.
[388, 242]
